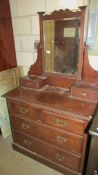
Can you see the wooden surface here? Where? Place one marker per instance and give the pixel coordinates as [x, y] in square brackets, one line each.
[89, 74]
[7, 48]
[61, 102]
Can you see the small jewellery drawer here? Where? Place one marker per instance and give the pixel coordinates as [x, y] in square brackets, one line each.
[66, 123]
[25, 110]
[64, 140]
[36, 82]
[61, 157]
[84, 93]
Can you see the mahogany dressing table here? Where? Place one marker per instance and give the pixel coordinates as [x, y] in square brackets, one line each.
[51, 111]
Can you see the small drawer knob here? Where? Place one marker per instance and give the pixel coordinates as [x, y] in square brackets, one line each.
[25, 126]
[27, 142]
[83, 94]
[23, 110]
[60, 158]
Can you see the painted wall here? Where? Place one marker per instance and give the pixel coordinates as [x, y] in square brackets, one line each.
[9, 80]
[26, 24]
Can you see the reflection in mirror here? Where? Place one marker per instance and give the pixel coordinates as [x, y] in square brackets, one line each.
[61, 45]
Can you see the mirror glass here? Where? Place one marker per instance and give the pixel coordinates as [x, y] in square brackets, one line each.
[61, 45]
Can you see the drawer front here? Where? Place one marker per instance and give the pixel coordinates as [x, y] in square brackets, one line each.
[63, 139]
[35, 83]
[25, 110]
[66, 123]
[84, 93]
[30, 84]
[66, 159]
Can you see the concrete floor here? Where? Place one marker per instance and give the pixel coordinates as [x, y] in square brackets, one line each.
[14, 163]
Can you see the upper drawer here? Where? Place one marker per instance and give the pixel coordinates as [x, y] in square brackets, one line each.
[84, 93]
[22, 109]
[63, 122]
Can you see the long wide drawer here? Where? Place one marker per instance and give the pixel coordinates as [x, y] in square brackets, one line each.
[66, 123]
[65, 140]
[61, 157]
[25, 110]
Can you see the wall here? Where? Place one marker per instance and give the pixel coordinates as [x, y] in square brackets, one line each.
[26, 24]
[9, 80]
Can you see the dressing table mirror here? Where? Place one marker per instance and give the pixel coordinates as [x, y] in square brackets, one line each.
[58, 36]
[62, 43]
[51, 111]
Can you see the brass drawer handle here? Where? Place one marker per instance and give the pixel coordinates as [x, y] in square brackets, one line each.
[60, 122]
[27, 142]
[25, 126]
[23, 110]
[60, 158]
[61, 139]
[83, 94]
